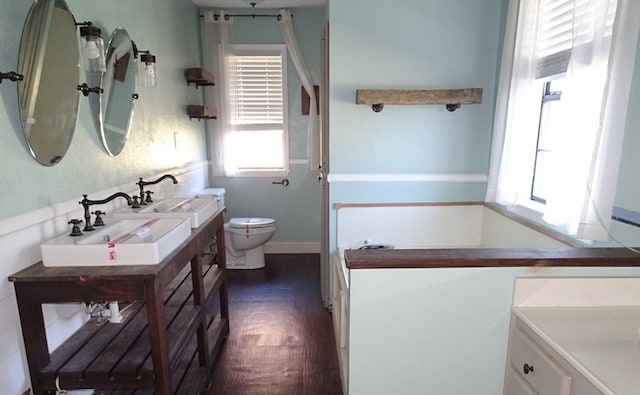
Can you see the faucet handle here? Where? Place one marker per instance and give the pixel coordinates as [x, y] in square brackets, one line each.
[98, 221]
[135, 202]
[75, 230]
[148, 198]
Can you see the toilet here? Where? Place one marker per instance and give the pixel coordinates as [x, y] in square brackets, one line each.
[244, 237]
[244, 240]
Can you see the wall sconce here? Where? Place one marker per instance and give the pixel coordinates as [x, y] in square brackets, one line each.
[11, 76]
[92, 47]
[86, 89]
[148, 69]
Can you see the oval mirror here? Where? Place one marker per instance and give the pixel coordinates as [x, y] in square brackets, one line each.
[49, 59]
[119, 85]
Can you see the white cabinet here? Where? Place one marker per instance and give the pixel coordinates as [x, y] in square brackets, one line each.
[533, 368]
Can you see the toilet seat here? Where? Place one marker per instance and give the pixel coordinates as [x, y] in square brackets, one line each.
[252, 223]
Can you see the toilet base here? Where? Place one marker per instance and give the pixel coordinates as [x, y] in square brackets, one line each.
[251, 259]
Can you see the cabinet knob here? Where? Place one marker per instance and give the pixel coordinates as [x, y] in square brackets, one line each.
[526, 368]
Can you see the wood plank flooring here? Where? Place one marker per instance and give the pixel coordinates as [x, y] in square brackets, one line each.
[281, 338]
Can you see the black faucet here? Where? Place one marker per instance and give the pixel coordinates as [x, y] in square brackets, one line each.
[142, 184]
[86, 203]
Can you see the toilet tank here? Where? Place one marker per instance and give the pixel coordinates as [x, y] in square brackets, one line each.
[217, 192]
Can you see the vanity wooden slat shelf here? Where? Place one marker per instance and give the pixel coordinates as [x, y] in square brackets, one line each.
[169, 340]
[452, 98]
[201, 112]
[199, 77]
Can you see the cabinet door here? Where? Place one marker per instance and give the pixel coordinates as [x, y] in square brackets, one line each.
[515, 384]
[536, 367]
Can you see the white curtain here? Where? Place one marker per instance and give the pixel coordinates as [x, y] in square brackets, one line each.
[219, 132]
[313, 145]
[588, 149]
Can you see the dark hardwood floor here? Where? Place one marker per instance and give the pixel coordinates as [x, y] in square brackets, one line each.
[281, 338]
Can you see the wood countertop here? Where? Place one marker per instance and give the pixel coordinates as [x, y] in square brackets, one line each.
[490, 257]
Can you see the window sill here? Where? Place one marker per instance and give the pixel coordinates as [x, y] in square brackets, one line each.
[261, 173]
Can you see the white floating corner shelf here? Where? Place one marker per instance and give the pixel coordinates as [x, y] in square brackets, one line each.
[451, 98]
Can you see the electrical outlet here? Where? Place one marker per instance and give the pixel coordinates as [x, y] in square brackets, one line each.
[27, 392]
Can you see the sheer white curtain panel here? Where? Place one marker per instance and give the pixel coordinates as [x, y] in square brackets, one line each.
[216, 42]
[596, 67]
[313, 134]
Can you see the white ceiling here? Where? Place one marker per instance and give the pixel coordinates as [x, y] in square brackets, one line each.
[259, 3]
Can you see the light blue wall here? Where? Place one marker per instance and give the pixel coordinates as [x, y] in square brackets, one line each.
[411, 44]
[296, 208]
[169, 28]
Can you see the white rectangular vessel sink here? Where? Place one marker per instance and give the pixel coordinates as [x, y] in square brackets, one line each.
[140, 241]
[197, 210]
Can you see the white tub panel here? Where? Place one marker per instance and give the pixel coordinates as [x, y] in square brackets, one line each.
[411, 226]
[499, 231]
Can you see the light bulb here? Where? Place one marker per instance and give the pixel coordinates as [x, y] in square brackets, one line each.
[150, 75]
[91, 50]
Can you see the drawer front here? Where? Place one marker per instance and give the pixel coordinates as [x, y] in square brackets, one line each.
[534, 365]
[516, 385]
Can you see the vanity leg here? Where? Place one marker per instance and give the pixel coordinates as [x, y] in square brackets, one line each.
[158, 338]
[199, 296]
[34, 334]
[222, 263]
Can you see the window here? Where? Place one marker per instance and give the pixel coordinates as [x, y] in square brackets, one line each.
[558, 37]
[257, 144]
[561, 110]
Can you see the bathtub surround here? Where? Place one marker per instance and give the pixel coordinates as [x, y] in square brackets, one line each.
[454, 282]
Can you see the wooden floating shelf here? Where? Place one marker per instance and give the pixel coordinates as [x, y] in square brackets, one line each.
[199, 77]
[451, 98]
[201, 112]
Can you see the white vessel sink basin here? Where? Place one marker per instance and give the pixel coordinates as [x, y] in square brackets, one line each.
[197, 210]
[140, 241]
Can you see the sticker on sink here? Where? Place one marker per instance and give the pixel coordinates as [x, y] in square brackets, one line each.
[112, 252]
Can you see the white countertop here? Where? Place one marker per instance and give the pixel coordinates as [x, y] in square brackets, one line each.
[601, 342]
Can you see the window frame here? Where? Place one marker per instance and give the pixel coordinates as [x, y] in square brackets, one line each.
[548, 95]
[264, 50]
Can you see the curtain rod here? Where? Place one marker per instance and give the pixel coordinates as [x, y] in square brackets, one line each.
[254, 16]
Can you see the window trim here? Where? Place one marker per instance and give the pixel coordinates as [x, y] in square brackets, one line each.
[269, 49]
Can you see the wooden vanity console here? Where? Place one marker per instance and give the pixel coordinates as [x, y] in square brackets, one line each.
[171, 335]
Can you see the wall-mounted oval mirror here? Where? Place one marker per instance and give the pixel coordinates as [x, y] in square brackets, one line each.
[119, 85]
[49, 59]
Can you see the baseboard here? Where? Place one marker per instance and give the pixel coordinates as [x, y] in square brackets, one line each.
[292, 248]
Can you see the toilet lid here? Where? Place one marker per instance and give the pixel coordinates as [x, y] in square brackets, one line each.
[251, 222]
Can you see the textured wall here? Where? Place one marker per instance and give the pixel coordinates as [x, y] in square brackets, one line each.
[169, 28]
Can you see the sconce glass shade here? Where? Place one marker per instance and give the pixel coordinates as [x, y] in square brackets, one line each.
[148, 70]
[93, 49]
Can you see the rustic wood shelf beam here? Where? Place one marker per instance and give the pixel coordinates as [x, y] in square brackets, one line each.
[199, 77]
[201, 112]
[451, 98]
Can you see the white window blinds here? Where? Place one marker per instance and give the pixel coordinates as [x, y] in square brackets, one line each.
[256, 92]
[568, 24]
